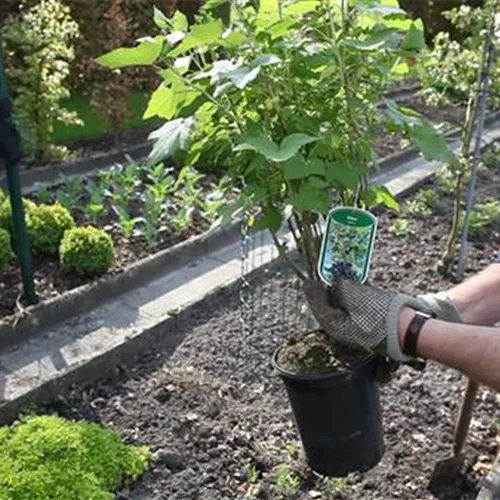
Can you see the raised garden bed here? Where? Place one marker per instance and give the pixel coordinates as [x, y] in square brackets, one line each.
[220, 423]
[51, 281]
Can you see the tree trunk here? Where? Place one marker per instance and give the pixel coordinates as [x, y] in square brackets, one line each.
[430, 11]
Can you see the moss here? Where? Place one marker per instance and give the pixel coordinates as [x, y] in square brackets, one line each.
[44, 457]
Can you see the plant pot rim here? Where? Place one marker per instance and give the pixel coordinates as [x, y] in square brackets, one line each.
[318, 376]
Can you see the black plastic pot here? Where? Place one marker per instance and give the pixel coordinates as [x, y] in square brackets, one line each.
[338, 416]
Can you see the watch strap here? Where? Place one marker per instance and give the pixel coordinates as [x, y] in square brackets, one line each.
[413, 332]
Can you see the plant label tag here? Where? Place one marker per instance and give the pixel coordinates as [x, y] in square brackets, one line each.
[347, 245]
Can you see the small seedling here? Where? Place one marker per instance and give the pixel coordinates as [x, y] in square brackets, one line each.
[400, 228]
[335, 484]
[446, 181]
[253, 474]
[293, 450]
[416, 208]
[492, 156]
[287, 481]
[42, 192]
[483, 215]
[429, 197]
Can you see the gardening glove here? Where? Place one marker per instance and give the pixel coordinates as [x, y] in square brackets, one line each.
[442, 307]
[362, 316]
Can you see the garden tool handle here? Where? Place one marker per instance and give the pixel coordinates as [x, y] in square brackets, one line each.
[464, 417]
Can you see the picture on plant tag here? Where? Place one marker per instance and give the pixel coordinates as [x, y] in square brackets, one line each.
[347, 245]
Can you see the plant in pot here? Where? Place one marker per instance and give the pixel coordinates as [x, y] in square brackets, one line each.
[285, 104]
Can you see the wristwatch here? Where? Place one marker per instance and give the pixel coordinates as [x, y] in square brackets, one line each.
[413, 332]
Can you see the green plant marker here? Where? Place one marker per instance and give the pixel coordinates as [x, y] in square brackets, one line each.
[347, 246]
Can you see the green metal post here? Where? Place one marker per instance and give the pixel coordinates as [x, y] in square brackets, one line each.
[10, 153]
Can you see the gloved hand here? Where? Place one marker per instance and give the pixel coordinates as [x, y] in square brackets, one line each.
[366, 317]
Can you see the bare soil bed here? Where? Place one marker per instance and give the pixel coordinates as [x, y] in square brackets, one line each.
[207, 402]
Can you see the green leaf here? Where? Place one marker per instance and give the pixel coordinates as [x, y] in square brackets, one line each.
[414, 40]
[431, 144]
[213, 4]
[366, 45]
[384, 196]
[172, 136]
[343, 174]
[310, 198]
[289, 146]
[241, 77]
[179, 22]
[160, 19]
[266, 60]
[401, 115]
[233, 38]
[381, 10]
[292, 143]
[270, 219]
[201, 35]
[162, 103]
[297, 168]
[261, 145]
[281, 28]
[143, 54]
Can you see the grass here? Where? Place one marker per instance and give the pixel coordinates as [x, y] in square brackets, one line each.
[94, 126]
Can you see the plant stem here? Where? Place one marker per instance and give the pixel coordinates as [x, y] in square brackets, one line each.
[283, 253]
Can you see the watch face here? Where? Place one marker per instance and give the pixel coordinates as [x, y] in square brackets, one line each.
[347, 245]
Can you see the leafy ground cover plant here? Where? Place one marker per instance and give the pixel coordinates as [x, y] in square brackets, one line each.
[288, 105]
[400, 227]
[45, 457]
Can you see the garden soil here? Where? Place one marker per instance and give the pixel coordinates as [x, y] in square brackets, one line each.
[207, 402]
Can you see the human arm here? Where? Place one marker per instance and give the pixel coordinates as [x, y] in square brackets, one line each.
[478, 298]
[470, 349]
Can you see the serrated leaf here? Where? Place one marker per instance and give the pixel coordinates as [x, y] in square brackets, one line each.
[162, 103]
[172, 136]
[200, 35]
[160, 19]
[431, 144]
[310, 198]
[143, 54]
[414, 40]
